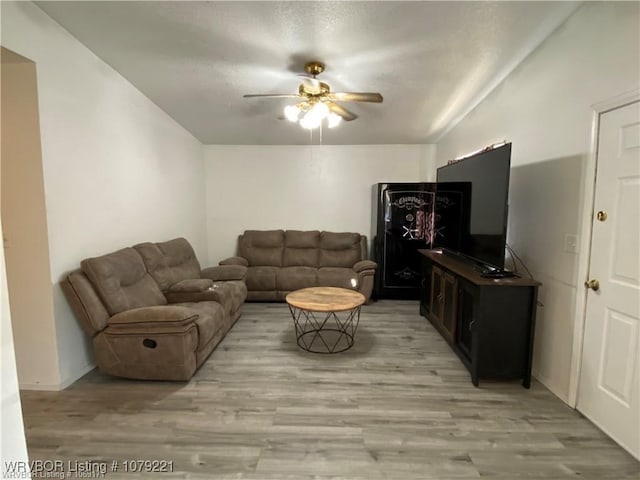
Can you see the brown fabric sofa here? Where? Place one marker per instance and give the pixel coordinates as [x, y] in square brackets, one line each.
[152, 313]
[281, 261]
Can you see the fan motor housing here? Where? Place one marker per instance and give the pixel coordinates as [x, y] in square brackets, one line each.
[322, 90]
[314, 68]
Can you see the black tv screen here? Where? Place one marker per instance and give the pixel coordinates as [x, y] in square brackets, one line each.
[471, 206]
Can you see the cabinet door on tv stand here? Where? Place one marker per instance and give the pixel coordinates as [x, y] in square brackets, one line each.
[449, 306]
[443, 298]
[435, 302]
[467, 328]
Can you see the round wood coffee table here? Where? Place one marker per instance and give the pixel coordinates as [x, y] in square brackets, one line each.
[315, 312]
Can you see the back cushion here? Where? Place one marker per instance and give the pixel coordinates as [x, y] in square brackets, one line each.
[301, 248]
[262, 247]
[122, 282]
[339, 249]
[169, 262]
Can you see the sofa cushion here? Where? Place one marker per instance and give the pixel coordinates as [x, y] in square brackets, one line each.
[339, 249]
[300, 239]
[303, 257]
[301, 248]
[339, 241]
[169, 262]
[261, 278]
[337, 277]
[294, 278]
[122, 281]
[338, 258]
[262, 248]
[264, 238]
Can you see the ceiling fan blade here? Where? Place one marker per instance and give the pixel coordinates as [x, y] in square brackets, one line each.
[272, 95]
[343, 112]
[356, 97]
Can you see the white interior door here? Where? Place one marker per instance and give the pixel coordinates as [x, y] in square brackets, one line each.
[609, 388]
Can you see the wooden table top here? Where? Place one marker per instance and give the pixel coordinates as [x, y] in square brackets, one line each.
[325, 299]
[466, 270]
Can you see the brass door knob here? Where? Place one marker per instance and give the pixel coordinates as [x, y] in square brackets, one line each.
[601, 215]
[593, 285]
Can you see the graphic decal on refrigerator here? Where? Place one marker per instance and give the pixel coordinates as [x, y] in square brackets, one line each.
[408, 225]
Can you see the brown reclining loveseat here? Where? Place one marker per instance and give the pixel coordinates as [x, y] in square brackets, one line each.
[152, 313]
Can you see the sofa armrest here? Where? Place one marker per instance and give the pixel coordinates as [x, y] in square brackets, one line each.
[225, 272]
[192, 285]
[212, 294]
[152, 319]
[363, 265]
[234, 261]
[193, 290]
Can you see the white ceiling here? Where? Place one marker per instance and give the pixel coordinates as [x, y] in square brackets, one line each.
[432, 61]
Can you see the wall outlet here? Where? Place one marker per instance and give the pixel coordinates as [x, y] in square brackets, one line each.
[570, 243]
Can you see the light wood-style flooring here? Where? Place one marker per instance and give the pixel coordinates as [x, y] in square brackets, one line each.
[399, 405]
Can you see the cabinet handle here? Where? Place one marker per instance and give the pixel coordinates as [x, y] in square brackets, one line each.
[473, 322]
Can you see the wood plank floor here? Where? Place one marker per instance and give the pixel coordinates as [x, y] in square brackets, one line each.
[399, 405]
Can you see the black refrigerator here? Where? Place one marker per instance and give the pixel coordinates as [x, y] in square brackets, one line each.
[409, 217]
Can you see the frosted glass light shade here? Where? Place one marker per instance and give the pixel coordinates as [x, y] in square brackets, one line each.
[311, 114]
[320, 110]
[333, 120]
[310, 121]
[292, 112]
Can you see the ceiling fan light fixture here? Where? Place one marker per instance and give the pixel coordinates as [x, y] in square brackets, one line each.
[318, 101]
[320, 110]
[310, 120]
[315, 113]
[333, 120]
[292, 112]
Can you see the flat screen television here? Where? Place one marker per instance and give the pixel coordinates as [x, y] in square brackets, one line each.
[471, 207]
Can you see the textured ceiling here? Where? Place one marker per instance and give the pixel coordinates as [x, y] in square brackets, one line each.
[432, 61]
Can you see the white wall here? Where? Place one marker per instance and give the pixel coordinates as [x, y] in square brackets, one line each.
[544, 108]
[299, 187]
[117, 169]
[428, 163]
[24, 223]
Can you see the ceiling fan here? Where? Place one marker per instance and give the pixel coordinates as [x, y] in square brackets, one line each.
[318, 102]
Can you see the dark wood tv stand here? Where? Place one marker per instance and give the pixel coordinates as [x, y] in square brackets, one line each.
[489, 322]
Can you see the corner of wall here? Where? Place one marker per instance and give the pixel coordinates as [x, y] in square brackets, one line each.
[427, 163]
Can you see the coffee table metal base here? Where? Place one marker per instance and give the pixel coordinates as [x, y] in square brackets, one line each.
[329, 335]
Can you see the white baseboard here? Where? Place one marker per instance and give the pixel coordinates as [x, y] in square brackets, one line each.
[552, 388]
[76, 375]
[59, 386]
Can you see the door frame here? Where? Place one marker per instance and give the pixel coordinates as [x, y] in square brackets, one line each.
[586, 217]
